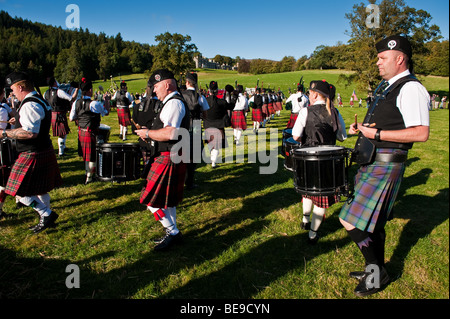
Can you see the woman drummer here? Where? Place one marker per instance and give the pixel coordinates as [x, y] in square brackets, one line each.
[318, 124]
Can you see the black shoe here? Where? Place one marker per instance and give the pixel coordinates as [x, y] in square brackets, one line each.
[168, 241]
[46, 222]
[305, 226]
[314, 240]
[366, 287]
[191, 187]
[19, 205]
[358, 275]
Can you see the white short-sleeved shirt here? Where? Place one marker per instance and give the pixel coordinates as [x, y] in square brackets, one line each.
[413, 101]
[31, 114]
[173, 111]
[95, 107]
[241, 103]
[201, 100]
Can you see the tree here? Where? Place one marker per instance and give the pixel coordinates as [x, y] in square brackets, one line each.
[395, 18]
[174, 52]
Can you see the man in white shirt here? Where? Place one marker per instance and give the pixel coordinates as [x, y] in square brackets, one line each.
[298, 101]
[397, 118]
[238, 119]
[165, 181]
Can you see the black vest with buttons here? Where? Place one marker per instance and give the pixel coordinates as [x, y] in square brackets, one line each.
[43, 140]
[158, 125]
[86, 118]
[387, 116]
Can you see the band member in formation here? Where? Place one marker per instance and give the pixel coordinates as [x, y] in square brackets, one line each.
[214, 122]
[265, 107]
[88, 115]
[317, 125]
[5, 111]
[297, 101]
[123, 101]
[198, 106]
[144, 114]
[278, 106]
[165, 181]
[256, 102]
[393, 123]
[270, 105]
[238, 120]
[61, 103]
[35, 172]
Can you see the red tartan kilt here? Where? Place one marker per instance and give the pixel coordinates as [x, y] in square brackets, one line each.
[165, 183]
[271, 109]
[60, 129]
[34, 174]
[87, 147]
[124, 115]
[238, 120]
[292, 120]
[257, 115]
[278, 106]
[265, 110]
[215, 137]
[324, 201]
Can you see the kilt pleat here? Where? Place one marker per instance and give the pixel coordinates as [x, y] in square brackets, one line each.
[34, 173]
[323, 201]
[165, 183]
[257, 115]
[278, 106]
[60, 126]
[124, 115]
[265, 110]
[215, 137]
[292, 120]
[238, 120]
[271, 109]
[87, 147]
[376, 189]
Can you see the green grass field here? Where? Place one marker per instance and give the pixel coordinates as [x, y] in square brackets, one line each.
[242, 230]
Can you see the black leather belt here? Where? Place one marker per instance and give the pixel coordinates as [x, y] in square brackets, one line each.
[391, 158]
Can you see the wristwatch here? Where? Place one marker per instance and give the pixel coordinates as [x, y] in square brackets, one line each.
[4, 133]
[377, 135]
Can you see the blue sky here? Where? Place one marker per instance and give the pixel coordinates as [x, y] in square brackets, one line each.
[249, 29]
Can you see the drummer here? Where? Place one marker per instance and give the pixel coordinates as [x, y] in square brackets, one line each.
[88, 113]
[317, 125]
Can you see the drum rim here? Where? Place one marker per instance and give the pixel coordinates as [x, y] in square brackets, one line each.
[332, 149]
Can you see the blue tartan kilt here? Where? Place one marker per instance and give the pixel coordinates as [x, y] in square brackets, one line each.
[376, 189]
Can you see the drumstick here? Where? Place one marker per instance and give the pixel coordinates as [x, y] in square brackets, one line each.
[356, 123]
[135, 124]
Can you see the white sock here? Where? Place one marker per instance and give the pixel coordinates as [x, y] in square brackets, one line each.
[214, 155]
[171, 214]
[307, 209]
[125, 130]
[62, 146]
[316, 220]
[45, 199]
[238, 135]
[35, 203]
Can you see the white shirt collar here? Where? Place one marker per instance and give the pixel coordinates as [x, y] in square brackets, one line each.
[399, 76]
[169, 96]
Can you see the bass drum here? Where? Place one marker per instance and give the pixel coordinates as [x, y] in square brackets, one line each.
[119, 162]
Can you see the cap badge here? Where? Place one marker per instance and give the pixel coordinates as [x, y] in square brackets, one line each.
[392, 44]
[158, 77]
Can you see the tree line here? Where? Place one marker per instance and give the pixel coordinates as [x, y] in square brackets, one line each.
[69, 55]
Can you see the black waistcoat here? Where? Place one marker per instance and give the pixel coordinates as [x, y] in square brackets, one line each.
[319, 127]
[43, 141]
[387, 116]
[87, 118]
[158, 124]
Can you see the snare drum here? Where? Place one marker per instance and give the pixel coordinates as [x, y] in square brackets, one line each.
[321, 170]
[119, 162]
[287, 133]
[290, 146]
[8, 152]
[104, 131]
